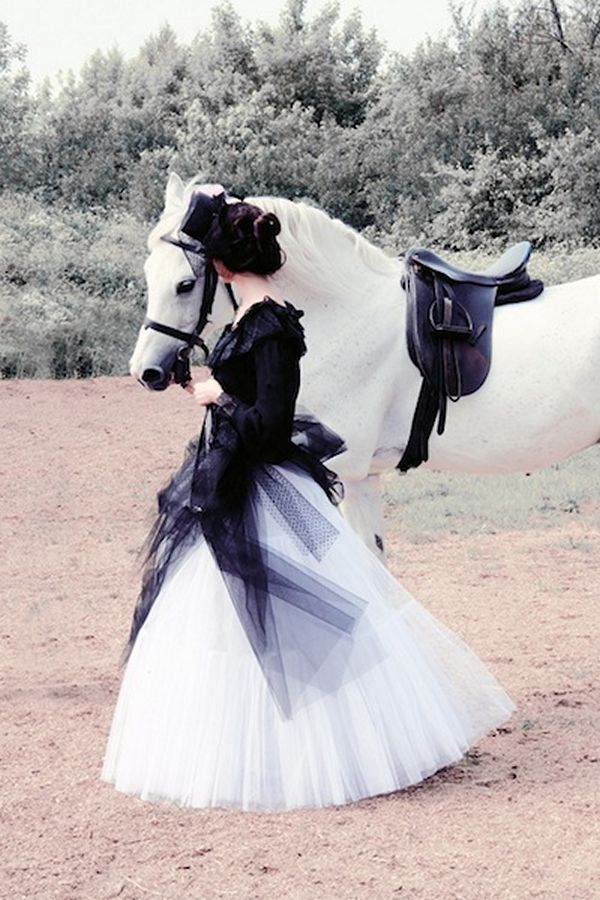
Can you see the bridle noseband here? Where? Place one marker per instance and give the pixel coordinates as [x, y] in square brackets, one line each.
[194, 253]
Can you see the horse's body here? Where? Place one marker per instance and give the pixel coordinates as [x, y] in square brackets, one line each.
[540, 403]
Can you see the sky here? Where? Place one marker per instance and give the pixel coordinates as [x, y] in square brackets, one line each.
[62, 34]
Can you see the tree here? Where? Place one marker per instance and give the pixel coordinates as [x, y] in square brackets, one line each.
[86, 150]
[18, 151]
[222, 67]
[101, 124]
[325, 66]
[416, 125]
[570, 211]
[154, 94]
[494, 200]
[253, 147]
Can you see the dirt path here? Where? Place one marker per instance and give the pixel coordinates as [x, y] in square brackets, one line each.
[79, 466]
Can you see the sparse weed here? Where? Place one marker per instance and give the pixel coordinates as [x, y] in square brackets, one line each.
[424, 503]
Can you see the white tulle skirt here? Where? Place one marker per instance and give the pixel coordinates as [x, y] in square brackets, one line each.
[196, 724]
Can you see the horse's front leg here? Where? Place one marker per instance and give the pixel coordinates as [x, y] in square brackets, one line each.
[362, 508]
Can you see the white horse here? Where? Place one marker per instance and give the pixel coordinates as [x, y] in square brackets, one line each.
[539, 404]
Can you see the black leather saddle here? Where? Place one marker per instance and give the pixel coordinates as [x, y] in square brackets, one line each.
[449, 315]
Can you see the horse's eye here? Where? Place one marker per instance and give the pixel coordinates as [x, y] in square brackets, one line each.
[184, 287]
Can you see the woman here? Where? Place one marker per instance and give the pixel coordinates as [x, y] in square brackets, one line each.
[274, 662]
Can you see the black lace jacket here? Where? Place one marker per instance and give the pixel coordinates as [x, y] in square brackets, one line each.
[254, 421]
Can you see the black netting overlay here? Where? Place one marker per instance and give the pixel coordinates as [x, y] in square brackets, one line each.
[293, 616]
[312, 531]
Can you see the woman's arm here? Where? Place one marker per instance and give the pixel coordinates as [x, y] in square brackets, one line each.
[265, 426]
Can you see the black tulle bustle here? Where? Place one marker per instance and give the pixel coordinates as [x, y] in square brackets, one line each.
[277, 599]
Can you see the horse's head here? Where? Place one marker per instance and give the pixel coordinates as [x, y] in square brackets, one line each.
[185, 299]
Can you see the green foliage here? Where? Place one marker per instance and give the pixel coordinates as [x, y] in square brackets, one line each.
[146, 182]
[244, 147]
[17, 134]
[467, 135]
[559, 264]
[101, 127]
[493, 199]
[488, 134]
[71, 291]
[222, 66]
[324, 68]
[484, 134]
[570, 211]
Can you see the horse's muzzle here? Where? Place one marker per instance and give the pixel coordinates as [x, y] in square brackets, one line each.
[154, 378]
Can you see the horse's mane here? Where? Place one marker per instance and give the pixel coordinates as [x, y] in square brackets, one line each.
[323, 255]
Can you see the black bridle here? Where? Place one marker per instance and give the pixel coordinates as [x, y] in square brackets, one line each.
[194, 253]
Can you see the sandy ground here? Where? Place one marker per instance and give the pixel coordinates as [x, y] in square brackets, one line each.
[519, 817]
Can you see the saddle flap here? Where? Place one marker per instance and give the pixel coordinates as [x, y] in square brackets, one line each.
[449, 331]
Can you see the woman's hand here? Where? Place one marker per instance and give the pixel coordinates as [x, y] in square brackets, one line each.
[206, 392]
[203, 373]
[204, 387]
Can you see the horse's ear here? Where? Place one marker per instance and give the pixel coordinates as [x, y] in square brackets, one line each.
[173, 193]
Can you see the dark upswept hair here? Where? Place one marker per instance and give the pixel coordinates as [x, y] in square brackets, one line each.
[244, 238]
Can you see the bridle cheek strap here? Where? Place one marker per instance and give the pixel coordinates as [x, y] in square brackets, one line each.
[181, 367]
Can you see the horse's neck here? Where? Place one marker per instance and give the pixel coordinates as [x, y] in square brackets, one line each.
[341, 281]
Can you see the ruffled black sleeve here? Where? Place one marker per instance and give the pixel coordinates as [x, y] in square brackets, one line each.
[265, 426]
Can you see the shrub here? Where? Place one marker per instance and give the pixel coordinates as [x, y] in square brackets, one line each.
[71, 289]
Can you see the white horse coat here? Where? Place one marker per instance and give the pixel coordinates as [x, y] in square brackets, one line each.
[539, 404]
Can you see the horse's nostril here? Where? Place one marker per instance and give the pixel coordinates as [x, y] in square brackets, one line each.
[152, 374]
